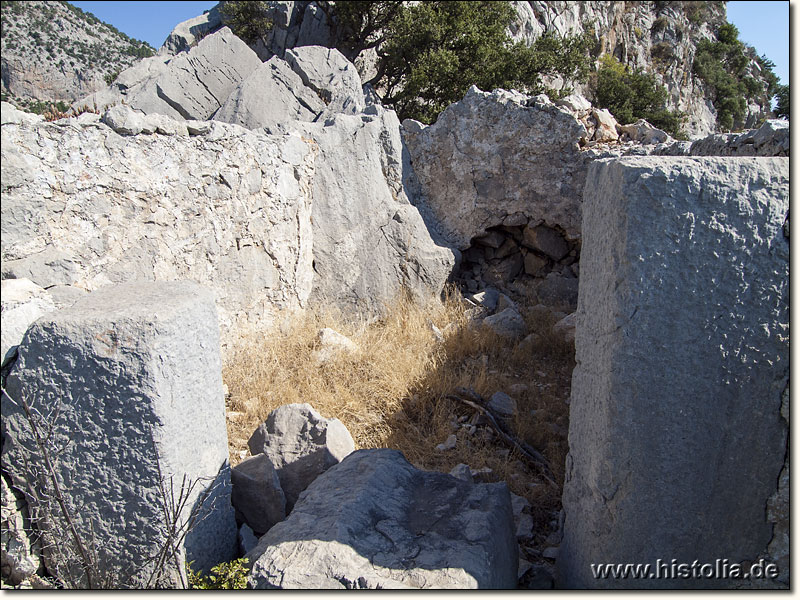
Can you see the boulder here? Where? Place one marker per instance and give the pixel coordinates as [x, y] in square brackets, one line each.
[508, 323]
[497, 154]
[375, 521]
[332, 344]
[288, 99]
[566, 328]
[247, 539]
[186, 34]
[333, 77]
[21, 303]
[643, 132]
[606, 130]
[301, 444]
[558, 291]
[256, 494]
[503, 404]
[46, 269]
[546, 240]
[10, 115]
[116, 379]
[682, 348]
[124, 120]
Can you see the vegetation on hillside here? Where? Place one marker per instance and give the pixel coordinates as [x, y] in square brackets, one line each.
[632, 94]
[248, 20]
[723, 66]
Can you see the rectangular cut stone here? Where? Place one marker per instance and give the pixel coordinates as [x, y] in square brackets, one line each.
[676, 437]
[131, 377]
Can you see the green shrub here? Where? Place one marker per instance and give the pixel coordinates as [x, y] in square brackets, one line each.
[782, 95]
[249, 20]
[631, 95]
[429, 54]
[225, 576]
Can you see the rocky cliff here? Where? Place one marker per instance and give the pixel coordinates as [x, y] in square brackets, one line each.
[53, 51]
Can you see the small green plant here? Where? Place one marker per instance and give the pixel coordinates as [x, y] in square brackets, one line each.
[782, 96]
[225, 576]
[631, 95]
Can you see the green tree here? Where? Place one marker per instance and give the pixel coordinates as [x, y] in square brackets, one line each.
[631, 95]
[782, 95]
[249, 20]
[429, 54]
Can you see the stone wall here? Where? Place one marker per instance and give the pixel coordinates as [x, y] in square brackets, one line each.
[677, 438]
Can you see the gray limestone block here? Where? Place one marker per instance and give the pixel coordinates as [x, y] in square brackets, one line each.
[334, 78]
[375, 521]
[21, 303]
[546, 240]
[47, 268]
[257, 495]
[271, 95]
[129, 379]
[682, 349]
[301, 444]
[507, 323]
[197, 82]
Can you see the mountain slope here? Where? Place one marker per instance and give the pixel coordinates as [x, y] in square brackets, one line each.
[53, 51]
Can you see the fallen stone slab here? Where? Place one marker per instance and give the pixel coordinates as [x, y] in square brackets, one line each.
[682, 348]
[334, 78]
[301, 444]
[257, 495]
[129, 378]
[375, 521]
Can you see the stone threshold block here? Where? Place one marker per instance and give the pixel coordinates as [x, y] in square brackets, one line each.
[129, 381]
[676, 436]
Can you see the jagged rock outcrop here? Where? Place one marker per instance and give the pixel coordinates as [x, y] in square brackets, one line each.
[228, 208]
[125, 387]
[657, 37]
[54, 51]
[676, 430]
[187, 34]
[22, 303]
[191, 85]
[375, 521]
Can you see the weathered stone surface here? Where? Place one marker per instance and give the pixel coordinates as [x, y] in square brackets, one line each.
[21, 303]
[546, 240]
[507, 323]
[676, 438]
[558, 291]
[495, 154]
[643, 132]
[135, 371]
[375, 521]
[301, 444]
[333, 77]
[503, 404]
[370, 242]
[247, 539]
[270, 96]
[257, 495]
[566, 328]
[186, 34]
[332, 343]
[230, 209]
[20, 551]
[771, 139]
[606, 128]
[10, 115]
[65, 295]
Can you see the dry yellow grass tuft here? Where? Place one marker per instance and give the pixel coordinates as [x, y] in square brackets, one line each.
[393, 391]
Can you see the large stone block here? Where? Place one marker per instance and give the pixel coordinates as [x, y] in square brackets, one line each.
[128, 380]
[375, 521]
[676, 436]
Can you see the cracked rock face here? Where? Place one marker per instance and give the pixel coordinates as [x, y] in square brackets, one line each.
[374, 521]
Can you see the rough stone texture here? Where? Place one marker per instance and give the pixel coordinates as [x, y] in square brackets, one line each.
[507, 323]
[566, 328]
[494, 154]
[20, 552]
[334, 78]
[257, 495]
[301, 444]
[676, 437]
[230, 209]
[187, 34]
[332, 344]
[272, 95]
[190, 85]
[21, 303]
[135, 370]
[606, 129]
[370, 242]
[247, 540]
[644, 132]
[375, 521]
[771, 139]
[503, 404]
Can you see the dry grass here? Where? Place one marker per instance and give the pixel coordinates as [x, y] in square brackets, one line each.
[392, 392]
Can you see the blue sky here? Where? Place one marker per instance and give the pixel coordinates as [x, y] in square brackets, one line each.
[764, 25]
